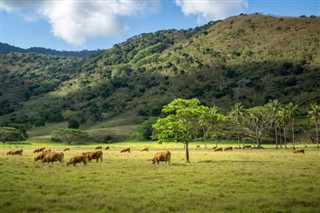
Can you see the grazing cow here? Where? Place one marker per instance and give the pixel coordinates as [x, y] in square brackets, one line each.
[107, 148]
[39, 149]
[218, 149]
[162, 156]
[228, 148]
[15, 152]
[66, 149]
[125, 150]
[94, 155]
[237, 147]
[247, 147]
[215, 147]
[145, 149]
[78, 159]
[53, 156]
[42, 155]
[298, 151]
[98, 147]
[198, 147]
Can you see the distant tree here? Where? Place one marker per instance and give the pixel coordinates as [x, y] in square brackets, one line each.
[181, 123]
[10, 134]
[314, 115]
[237, 115]
[257, 120]
[73, 124]
[69, 135]
[273, 107]
[208, 120]
[292, 110]
[283, 119]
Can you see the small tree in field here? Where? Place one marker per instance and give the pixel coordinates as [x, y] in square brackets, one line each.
[181, 123]
[68, 135]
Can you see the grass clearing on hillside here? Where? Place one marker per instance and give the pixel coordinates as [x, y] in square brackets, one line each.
[265, 180]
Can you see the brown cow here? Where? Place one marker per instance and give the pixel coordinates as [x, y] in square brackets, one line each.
[39, 149]
[228, 148]
[218, 149]
[215, 147]
[78, 159]
[162, 156]
[247, 147]
[125, 150]
[42, 155]
[15, 152]
[298, 151]
[98, 147]
[107, 148]
[145, 149]
[94, 155]
[66, 149]
[53, 156]
[198, 147]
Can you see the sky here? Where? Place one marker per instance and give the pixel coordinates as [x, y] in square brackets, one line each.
[99, 24]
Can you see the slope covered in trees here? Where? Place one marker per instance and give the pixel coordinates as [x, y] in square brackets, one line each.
[247, 58]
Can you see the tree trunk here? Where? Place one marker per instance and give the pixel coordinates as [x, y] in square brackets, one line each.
[276, 136]
[285, 137]
[317, 134]
[239, 140]
[187, 152]
[292, 129]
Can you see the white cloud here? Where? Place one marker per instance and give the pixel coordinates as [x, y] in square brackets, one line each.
[210, 10]
[75, 21]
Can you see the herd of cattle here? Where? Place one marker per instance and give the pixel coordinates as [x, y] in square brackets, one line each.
[49, 156]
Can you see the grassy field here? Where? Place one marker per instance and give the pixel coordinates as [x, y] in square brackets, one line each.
[266, 180]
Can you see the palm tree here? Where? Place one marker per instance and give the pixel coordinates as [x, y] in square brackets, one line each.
[292, 109]
[282, 119]
[314, 114]
[273, 107]
[237, 114]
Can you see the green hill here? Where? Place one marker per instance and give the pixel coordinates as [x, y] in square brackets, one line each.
[247, 58]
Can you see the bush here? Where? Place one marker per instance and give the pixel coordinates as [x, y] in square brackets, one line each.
[73, 124]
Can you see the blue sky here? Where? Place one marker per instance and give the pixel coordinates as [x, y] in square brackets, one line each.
[99, 24]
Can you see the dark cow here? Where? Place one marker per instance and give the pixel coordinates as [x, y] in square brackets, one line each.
[53, 156]
[15, 152]
[94, 155]
[298, 151]
[125, 150]
[247, 147]
[198, 147]
[66, 149]
[218, 149]
[98, 147]
[162, 156]
[145, 149]
[228, 148]
[107, 148]
[39, 149]
[78, 159]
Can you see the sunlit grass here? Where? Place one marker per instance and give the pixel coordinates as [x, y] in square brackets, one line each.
[267, 180]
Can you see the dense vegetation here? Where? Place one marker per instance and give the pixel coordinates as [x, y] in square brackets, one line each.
[247, 58]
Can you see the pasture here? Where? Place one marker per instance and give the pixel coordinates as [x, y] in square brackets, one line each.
[266, 180]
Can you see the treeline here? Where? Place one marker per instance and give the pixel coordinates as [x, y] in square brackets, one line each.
[6, 48]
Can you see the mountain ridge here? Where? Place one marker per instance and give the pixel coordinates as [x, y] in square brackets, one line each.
[247, 58]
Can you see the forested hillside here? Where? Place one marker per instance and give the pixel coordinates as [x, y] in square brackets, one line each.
[247, 58]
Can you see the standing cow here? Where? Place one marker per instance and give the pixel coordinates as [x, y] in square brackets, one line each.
[162, 156]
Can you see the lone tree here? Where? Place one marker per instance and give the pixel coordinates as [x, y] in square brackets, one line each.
[68, 135]
[181, 123]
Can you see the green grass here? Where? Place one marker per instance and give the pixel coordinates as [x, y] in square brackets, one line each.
[267, 180]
